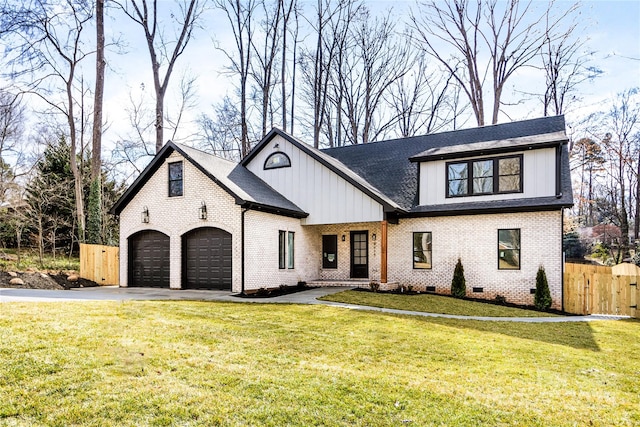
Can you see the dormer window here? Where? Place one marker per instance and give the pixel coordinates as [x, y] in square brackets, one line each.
[277, 160]
[484, 176]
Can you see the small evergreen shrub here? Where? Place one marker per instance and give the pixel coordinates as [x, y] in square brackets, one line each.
[458, 284]
[542, 298]
[374, 286]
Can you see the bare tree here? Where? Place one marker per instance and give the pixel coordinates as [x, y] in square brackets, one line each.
[566, 66]
[47, 50]
[264, 56]
[240, 15]
[330, 24]
[377, 61]
[619, 130]
[12, 119]
[420, 101]
[163, 51]
[96, 151]
[288, 8]
[220, 134]
[486, 42]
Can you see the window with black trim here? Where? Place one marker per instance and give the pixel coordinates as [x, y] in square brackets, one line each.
[277, 160]
[290, 252]
[422, 250]
[485, 176]
[509, 249]
[175, 179]
[282, 249]
[286, 249]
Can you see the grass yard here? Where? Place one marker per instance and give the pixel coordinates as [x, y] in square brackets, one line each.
[199, 363]
[430, 303]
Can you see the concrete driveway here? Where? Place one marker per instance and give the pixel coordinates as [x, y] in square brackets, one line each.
[114, 293]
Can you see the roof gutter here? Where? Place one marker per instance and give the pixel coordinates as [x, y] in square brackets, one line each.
[242, 251]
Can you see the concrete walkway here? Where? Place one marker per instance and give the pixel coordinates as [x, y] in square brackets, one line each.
[114, 293]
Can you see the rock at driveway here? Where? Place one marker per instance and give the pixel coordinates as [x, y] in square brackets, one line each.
[16, 281]
[73, 278]
[12, 274]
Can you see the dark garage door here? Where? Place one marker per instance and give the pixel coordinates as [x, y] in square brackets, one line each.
[206, 259]
[149, 259]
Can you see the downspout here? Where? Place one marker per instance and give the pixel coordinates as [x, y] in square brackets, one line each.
[244, 211]
[559, 171]
[562, 258]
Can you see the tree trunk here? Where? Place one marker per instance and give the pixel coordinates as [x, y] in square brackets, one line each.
[96, 153]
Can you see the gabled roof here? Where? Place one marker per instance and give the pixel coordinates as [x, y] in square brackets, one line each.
[334, 164]
[247, 189]
[387, 166]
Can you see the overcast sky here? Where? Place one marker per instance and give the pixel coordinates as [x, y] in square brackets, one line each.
[612, 30]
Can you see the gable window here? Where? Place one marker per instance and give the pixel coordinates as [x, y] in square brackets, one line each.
[422, 250]
[286, 250]
[277, 160]
[509, 249]
[175, 179]
[484, 176]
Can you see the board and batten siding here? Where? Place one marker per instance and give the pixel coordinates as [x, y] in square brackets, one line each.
[316, 189]
[539, 178]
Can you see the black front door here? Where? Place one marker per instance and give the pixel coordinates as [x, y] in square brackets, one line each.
[359, 254]
[330, 251]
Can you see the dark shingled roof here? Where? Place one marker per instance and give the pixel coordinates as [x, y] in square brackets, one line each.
[247, 189]
[387, 166]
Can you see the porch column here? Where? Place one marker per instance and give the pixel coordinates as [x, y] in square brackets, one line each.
[383, 252]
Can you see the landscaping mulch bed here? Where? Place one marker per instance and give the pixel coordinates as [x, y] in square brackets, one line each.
[486, 301]
[57, 280]
[273, 292]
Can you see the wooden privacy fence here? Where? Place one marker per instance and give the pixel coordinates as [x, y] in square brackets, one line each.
[100, 264]
[590, 289]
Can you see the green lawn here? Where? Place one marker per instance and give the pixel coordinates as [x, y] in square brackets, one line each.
[246, 364]
[429, 303]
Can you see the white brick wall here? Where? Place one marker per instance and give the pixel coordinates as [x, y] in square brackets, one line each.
[175, 216]
[261, 251]
[473, 239]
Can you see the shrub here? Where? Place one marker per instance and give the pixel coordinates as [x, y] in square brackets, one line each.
[458, 284]
[374, 286]
[542, 298]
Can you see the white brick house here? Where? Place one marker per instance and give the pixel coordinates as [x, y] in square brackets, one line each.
[399, 212]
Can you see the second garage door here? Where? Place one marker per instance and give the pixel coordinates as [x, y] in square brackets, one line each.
[206, 259]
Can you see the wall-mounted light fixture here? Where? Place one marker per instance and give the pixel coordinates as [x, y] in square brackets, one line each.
[145, 215]
[343, 238]
[276, 146]
[202, 210]
[373, 237]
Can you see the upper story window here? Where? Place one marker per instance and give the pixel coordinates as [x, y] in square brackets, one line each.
[277, 160]
[484, 176]
[175, 179]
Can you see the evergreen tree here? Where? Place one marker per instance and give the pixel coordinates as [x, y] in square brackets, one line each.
[542, 298]
[458, 284]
